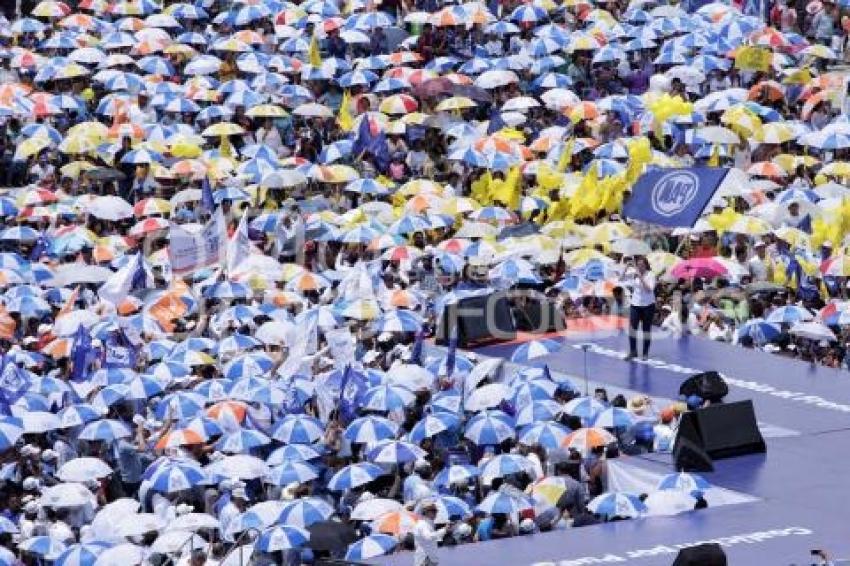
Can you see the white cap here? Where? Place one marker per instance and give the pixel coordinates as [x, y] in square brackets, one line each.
[239, 493]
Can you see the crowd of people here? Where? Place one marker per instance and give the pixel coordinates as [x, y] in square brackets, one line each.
[229, 230]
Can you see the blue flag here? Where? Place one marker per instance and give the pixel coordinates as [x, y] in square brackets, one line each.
[41, 247]
[673, 197]
[118, 351]
[207, 201]
[140, 277]
[451, 356]
[374, 144]
[496, 123]
[350, 390]
[14, 381]
[81, 353]
[416, 354]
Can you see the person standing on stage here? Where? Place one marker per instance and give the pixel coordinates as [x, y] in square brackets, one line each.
[640, 279]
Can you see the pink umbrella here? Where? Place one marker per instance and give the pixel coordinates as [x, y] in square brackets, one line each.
[703, 267]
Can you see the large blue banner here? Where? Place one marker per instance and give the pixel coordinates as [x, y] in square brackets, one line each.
[673, 197]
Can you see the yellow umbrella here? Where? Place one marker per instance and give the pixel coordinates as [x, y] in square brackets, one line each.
[418, 186]
[790, 162]
[335, 173]
[661, 261]
[183, 147]
[73, 169]
[180, 49]
[459, 205]
[30, 147]
[223, 129]
[608, 231]
[750, 225]
[455, 103]
[77, 145]
[836, 169]
[91, 129]
[266, 111]
[775, 132]
[579, 257]
[416, 118]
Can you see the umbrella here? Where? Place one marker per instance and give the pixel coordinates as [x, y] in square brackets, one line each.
[395, 452]
[668, 502]
[614, 417]
[431, 425]
[330, 536]
[456, 474]
[704, 268]
[370, 429]
[534, 349]
[281, 537]
[584, 440]
[549, 435]
[174, 475]
[354, 475]
[501, 502]
[372, 509]
[83, 470]
[487, 396]
[298, 429]
[759, 330]
[305, 512]
[684, 481]
[43, 546]
[289, 472]
[488, 429]
[105, 430]
[66, 495]
[504, 465]
[370, 547]
[611, 505]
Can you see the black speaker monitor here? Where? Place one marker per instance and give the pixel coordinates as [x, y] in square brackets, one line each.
[689, 457]
[723, 430]
[708, 554]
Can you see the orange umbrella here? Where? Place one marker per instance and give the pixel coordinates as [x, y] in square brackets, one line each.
[766, 169]
[59, 348]
[396, 522]
[234, 410]
[584, 440]
[184, 437]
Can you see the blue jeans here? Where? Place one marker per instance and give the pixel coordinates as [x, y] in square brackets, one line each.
[640, 317]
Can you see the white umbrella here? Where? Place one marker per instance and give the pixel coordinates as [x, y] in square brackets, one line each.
[193, 522]
[276, 332]
[238, 466]
[669, 502]
[173, 541]
[122, 555]
[313, 110]
[717, 134]
[73, 273]
[104, 522]
[495, 78]
[65, 495]
[412, 376]
[487, 396]
[813, 330]
[371, 509]
[83, 470]
[110, 208]
[238, 556]
[283, 178]
[139, 524]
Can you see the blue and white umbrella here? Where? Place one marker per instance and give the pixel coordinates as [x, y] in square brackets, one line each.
[387, 398]
[456, 474]
[366, 187]
[298, 429]
[241, 441]
[759, 330]
[499, 502]
[227, 290]
[304, 512]
[355, 475]
[504, 465]
[370, 429]
[357, 77]
[398, 321]
[44, 546]
[237, 343]
[370, 547]
[432, 425]
[143, 387]
[684, 482]
[546, 434]
[614, 417]
[109, 396]
[36, 421]
[181, 405]
[293, 453]
[171, 476]
[395, 452]
[450, 508]
[81, 554]
[106, 430]
[583, 407]
[289, 472]
[789, 314]
[410, 224]
[617, 505]
[281, 537]
[534, 349]
[76, 415]
[7, 526]
[489, 429]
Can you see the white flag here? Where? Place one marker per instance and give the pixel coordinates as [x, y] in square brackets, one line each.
[239, 246]
[135, 272]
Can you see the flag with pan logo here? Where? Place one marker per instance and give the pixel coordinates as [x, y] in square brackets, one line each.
[673, 197]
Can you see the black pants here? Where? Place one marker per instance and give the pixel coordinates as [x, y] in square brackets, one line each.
[640, 317]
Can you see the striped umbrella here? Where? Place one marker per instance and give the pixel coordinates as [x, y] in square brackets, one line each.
[395, 452]
[370, 429]
[387, 398]
[504, 465]
[370, 547]
[171, 476]
[457, 474]
[614, 417]
[549, 435]
[684, 482]
[289, 472]
[488, 430]
[105, 430]
[304, 512]
[611, 505]
[298, 429]
[534, 349]
[281, 537]
[354, 475]
[11, 430]
[81, 554]
[432, 425]
[501, 502]
[241, 441]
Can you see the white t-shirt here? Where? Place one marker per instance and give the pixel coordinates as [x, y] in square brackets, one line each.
[643, 288]
[425, 539]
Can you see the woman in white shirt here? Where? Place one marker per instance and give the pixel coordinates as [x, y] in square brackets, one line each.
[642, 306]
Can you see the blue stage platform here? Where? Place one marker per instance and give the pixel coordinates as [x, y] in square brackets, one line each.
[800, 483]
